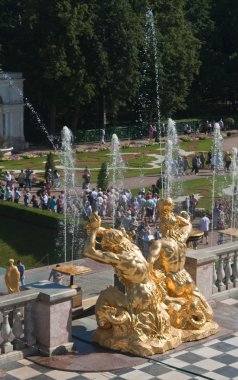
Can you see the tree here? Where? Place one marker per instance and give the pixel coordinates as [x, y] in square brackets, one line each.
[200, 17]
[178, 55]
[84, 57]
[216, 25]
[44, 44]
[221, 77]
[103, 177]
[113, 58]
[178, 48]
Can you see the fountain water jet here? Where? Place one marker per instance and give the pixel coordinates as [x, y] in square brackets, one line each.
[218, 167]
[169, 188]
[117, 169]
[149, 99]
[70, 230]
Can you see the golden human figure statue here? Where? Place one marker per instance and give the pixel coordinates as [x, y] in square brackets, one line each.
[136, 321]
[187, 307]
[12, 278]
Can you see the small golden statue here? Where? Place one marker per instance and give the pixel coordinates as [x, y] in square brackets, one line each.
[161, 306]
[12, 278]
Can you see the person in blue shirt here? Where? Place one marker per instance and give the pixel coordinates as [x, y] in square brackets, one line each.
[21, 269]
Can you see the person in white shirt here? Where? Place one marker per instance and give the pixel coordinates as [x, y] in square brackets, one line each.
[57, 276]
[204, 226]
[44, 201]
[8, 178]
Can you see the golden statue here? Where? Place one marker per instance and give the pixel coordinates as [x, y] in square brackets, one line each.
[136, 321]
[12, 278]
[161, 306]
[187, 307]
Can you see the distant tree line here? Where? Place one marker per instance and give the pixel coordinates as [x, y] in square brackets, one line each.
[83, 60]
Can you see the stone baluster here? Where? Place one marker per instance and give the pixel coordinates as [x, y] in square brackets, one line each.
[29, 324]
[214, 284]
[235, 270]
[228, 272]
[220, 275]
[17, 331]
[6, 334]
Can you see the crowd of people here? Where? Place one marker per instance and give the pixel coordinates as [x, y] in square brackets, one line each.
[113, 203]
[219, 163]
[19, 189]
[207, 128]
[137, 215]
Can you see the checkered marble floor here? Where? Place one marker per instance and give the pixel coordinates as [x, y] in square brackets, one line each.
[215, 359]
[231, 301]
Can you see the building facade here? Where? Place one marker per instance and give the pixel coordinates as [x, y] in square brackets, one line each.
[11, 111]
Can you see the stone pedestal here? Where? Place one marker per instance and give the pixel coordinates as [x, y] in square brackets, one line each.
[52, 316]
[200, 267]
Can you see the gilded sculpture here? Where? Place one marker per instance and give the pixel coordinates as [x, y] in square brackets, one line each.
[161, 306]
[187, 307]
[137, 321]
[12, 277]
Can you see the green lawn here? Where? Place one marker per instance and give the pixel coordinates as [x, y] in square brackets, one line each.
[136, 156]
[197, 145]
[36, 163]
[203, 186]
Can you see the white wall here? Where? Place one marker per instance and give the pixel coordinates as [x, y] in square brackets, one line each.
[12, 110]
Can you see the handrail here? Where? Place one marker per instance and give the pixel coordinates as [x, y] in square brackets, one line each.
[16, 299]
[223, 248]
[134, 132]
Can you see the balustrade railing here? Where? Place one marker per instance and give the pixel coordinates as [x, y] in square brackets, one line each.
[17, 324]
[225, 266]
[214, 269]
[26, 318]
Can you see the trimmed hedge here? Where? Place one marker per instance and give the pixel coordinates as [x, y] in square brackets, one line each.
[30, 215]
[49, 245]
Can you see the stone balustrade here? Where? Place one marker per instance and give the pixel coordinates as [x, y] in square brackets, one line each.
[214, 269]
[40, 317]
